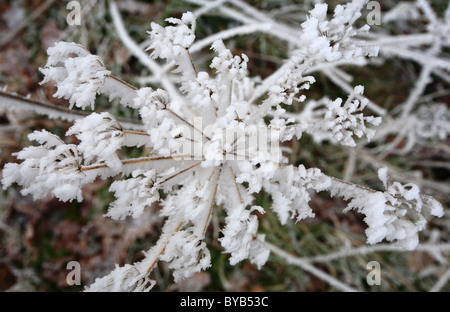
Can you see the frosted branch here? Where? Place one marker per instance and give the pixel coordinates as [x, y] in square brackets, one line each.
[305, 265]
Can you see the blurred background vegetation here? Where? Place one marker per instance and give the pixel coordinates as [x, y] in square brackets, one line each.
[38, 238]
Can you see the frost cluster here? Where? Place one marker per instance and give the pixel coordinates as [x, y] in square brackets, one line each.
[433, 121]
[395, 214]
[52, 168]
[342, 122]
[77, 73]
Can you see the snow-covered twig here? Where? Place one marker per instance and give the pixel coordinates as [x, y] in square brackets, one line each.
[308, 267]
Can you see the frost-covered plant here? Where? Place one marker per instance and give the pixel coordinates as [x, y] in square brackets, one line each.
[196, 165]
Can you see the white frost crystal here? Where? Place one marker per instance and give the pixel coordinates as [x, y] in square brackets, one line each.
[100, 137]
[77, 73]
[395, 214]
[49, 169]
